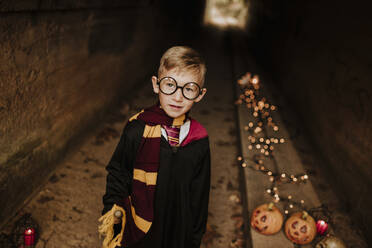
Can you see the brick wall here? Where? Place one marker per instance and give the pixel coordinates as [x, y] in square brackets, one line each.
[63, 65]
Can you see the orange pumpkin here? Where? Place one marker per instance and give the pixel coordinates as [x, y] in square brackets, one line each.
[300, 228]
[267, 219]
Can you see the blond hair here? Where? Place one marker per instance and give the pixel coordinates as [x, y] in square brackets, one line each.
[183, 58]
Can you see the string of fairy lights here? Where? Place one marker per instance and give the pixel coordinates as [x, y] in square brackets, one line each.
[262, 146]
[261, 109]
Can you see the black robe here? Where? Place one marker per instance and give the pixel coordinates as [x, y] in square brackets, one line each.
[182, 189]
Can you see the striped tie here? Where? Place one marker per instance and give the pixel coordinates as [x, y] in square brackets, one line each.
[173, 133]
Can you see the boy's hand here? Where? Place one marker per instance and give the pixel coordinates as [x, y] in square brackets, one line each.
[117, 216]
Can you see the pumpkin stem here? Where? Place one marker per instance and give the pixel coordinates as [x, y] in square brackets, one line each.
[270, 206]
[304, 215]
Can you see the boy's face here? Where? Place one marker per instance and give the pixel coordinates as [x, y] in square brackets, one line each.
[176, 104]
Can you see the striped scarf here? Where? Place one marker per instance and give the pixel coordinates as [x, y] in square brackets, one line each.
[138, 208]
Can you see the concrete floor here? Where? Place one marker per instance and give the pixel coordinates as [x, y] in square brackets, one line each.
[69, 205]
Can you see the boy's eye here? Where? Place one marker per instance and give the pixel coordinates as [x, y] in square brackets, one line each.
[170, 85]
[189, 89]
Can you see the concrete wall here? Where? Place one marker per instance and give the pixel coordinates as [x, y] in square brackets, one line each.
[320, 56]
[64, 64]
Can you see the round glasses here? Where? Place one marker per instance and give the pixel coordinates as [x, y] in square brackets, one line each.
[168, 86]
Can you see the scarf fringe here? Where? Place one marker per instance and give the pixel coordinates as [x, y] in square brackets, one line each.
[107, 228]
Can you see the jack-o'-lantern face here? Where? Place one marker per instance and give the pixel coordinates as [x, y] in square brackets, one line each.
[300, 228]
[267, 219]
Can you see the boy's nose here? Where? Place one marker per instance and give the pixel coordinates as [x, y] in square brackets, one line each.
[178, 94]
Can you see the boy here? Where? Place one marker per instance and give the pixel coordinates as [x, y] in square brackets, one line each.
[159, 174]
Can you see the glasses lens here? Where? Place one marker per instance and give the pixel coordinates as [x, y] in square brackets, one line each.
[191, 90]
[168, 85]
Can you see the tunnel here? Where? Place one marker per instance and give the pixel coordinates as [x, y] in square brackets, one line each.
[73, 72]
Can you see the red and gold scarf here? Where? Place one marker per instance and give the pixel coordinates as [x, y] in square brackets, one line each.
[138, 208]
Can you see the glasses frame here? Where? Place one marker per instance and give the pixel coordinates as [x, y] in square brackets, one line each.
[181, 87]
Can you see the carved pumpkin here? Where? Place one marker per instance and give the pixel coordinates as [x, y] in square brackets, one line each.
[267, 219]
[300, 228]
[331, 242]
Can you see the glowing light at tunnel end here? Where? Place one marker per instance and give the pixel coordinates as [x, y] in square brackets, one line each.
[226, 14]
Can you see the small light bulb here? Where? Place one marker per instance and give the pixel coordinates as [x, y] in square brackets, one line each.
[257, 130]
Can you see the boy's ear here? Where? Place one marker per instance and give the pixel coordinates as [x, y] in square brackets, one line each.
[155, 85]
[198, 99]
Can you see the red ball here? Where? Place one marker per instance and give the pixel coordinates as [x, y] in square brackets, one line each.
[321, 227]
